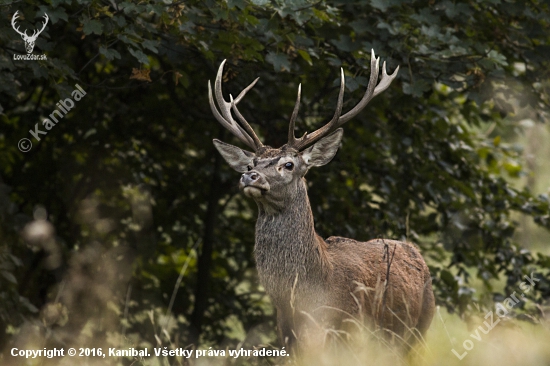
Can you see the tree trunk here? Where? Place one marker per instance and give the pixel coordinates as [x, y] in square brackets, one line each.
[205, 257]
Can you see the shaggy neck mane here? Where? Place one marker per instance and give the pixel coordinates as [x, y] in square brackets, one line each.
[288, 246]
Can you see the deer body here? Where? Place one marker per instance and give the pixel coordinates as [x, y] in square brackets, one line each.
[316, 284]
[338, 273]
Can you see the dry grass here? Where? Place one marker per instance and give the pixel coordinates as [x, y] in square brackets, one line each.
[510, 342]
[93, 307]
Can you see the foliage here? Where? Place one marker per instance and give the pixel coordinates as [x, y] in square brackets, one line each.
[130, 172]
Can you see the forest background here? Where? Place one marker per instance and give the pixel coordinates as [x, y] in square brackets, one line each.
[123, 226]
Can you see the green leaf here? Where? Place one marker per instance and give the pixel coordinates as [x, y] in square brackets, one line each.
[9, 276]
[110, 53]
[141, 57]
[513, 168]
[56, 3]
[497, 58]
[151, 45]
[381, 5]
[53, 14]
[448, 278]
[344, 43]
[28, 304]
[236, 3]
[417, 88]
[127, 40]
[351, 83]
[120, 20]
[305, 56]
[92, 26]
[279, 61]
[454, 10]
[129, 7]
[156, 8]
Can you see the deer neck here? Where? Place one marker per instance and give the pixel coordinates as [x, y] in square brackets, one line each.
[288, 251]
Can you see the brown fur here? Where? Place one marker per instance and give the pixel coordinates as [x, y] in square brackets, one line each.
[311, 280]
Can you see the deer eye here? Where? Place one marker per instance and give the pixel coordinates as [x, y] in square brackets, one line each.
[289, 166]
[249, 167]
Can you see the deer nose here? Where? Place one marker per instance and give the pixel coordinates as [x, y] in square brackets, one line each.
[249, 178]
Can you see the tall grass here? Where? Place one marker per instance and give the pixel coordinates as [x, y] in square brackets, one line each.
[95, 306]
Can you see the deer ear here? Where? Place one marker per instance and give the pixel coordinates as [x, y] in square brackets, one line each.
[323, 151]
[237, 158]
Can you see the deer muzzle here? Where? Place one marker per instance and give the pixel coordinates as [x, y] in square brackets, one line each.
[253, 184]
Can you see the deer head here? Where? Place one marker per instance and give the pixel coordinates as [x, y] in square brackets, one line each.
[270, 175]
[29, 40]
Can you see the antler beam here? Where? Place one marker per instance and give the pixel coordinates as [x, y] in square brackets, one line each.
[15, 16]
[246, 135]
[37, 32]
[372, 90]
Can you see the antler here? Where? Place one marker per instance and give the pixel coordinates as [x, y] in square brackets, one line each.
[338, 120]
[35, 34]
[15, 16]
[246, 135]
[291, 138]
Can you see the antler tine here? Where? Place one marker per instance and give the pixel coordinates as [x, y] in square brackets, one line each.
[15, 16]
[245, 124]
[245, 90]
[308, 139]
[233, 128]
[372, 90]
[226, 107]
[225, 117]
[369, 93]
[291, 137]
[385, 81]
[45, 23]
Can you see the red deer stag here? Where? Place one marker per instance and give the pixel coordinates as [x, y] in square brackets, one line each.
[314, 282]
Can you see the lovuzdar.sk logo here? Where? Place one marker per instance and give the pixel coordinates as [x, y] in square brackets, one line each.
[29, 40]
